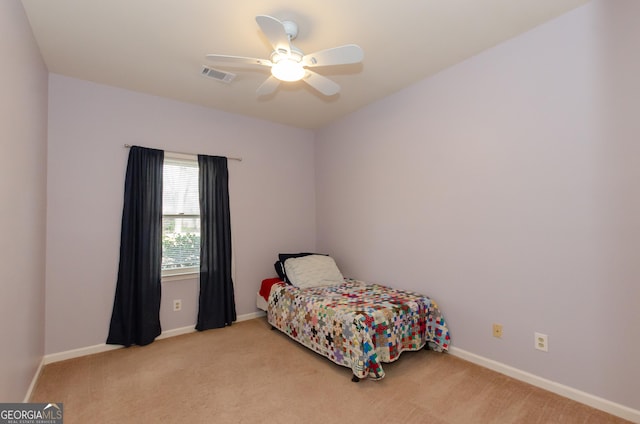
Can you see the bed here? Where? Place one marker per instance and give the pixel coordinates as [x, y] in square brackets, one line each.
[352, 323]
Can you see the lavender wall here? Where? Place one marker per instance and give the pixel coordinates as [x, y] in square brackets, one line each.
[506, 187]
[271, 193]
[23, 148]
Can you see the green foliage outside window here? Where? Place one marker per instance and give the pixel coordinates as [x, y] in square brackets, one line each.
[180, 250]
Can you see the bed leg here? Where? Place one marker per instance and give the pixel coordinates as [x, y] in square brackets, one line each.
[355, 379]
[273, 328]
[426, 346]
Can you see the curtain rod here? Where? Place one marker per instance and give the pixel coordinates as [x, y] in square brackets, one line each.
[183, 153]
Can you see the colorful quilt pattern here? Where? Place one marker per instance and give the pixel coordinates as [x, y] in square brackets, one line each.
[358, 325]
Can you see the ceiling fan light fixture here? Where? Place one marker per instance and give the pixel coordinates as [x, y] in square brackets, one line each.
[288, 70]
[289, 63]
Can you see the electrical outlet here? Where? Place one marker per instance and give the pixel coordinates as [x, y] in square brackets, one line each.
[497, 330]
[177, 305]
[541, 342]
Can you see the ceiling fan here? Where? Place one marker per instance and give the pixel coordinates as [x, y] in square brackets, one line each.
[289, 63]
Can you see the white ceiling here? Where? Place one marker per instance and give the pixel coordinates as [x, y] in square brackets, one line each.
[159, 46]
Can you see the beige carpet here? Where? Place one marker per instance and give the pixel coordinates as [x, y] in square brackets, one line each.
[247, 373]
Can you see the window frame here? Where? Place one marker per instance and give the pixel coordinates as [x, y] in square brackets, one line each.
[186, 272]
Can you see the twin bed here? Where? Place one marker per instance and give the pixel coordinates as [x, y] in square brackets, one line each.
[354, 324]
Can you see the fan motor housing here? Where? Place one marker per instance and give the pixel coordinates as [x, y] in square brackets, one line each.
[296, 55]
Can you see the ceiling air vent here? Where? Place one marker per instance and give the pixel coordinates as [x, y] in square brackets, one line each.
[217, 75]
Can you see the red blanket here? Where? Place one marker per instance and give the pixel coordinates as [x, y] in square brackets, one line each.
[265, 288]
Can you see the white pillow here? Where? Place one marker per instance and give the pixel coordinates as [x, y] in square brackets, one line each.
[313, 271]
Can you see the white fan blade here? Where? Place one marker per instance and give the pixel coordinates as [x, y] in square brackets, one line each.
[343, 55]
[268, 86]
[320, 83]
[238, 59]
[274, 30]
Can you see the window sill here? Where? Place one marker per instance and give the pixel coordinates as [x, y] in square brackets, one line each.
[179, 277]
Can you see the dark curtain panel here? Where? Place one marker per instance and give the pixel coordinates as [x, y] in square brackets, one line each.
[136, 308]
[217, 304]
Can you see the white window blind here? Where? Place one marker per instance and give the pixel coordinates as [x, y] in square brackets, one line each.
[180, 217]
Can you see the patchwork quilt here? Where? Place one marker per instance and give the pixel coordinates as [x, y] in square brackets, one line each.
[358, 325]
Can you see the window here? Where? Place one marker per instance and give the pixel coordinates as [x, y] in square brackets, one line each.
[180, 216]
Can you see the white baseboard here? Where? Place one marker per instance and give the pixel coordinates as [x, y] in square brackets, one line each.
[613, 408]
[176, 332]
[90, 350]
[76, 353]
[252, 315]
[34, 380]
